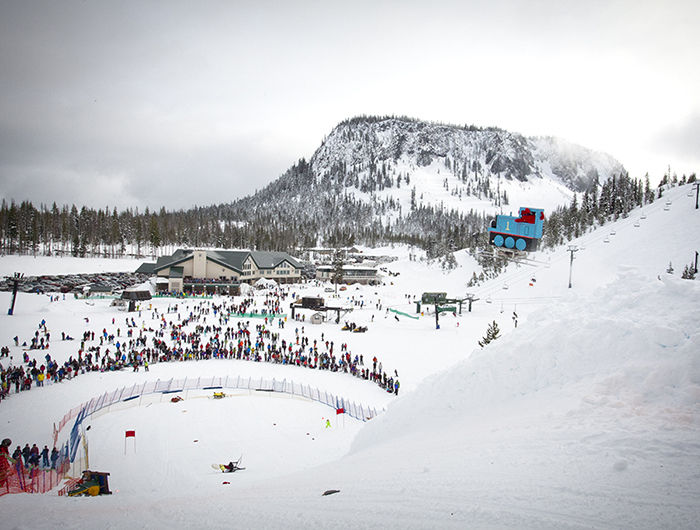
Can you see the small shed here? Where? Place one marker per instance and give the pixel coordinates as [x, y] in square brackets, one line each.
[97, 289]
[312, 302]
[136, 294]
[317, 318]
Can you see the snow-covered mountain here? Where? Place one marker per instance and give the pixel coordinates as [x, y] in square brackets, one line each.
[377, 154]
[399, 179]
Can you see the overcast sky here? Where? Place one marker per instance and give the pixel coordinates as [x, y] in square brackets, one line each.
[176, 104]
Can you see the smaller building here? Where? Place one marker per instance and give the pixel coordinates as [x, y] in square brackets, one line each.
[311, 302]
[97, 289]
[363, 274]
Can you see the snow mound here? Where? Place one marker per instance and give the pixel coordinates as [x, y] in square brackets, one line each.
[629, 350]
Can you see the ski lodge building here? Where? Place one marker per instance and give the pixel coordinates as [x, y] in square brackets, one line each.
[220, 271]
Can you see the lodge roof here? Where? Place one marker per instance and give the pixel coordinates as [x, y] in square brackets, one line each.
[232, 259]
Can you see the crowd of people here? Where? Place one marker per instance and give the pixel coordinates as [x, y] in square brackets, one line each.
[186, 331]
[192, 331]
[32, 457]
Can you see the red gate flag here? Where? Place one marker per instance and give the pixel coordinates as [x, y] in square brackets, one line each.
[131, 434]
[340, 411]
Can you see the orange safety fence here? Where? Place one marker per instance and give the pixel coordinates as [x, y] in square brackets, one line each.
[16, 478]
[70, 484]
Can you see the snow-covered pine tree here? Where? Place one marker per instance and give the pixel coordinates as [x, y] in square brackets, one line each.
[689, 272]
[492, 333]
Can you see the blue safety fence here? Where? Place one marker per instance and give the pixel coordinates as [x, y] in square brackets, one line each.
[128, 393]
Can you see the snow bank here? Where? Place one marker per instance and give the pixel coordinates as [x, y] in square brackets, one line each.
[629, 349]
[47, 265]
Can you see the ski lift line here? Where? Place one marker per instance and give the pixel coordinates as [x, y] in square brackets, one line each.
[495, 285]
[622, 223]
[513, 277]
[523, 303]
[526, 300]
[492, 285]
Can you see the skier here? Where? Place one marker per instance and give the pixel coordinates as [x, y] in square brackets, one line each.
[232, 466]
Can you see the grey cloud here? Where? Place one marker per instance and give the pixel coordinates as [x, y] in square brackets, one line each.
[154, 103]
[682, 139]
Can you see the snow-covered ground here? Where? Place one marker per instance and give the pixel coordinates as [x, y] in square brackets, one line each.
[587, 415]
[45, 265]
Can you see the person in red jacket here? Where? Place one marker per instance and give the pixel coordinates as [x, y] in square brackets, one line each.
[4, 447]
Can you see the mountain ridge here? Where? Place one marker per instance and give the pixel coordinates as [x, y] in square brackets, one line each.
[396, 178]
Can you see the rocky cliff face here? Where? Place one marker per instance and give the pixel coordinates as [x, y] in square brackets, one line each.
[361, 146]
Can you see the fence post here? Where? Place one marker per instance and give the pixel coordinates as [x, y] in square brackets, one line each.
[143, 387]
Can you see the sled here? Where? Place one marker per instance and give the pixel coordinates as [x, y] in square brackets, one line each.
[219, 395]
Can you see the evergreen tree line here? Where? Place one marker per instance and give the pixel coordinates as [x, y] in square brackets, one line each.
[298, 210]
[276, 218]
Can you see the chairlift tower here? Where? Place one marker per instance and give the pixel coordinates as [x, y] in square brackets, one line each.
[15, 278]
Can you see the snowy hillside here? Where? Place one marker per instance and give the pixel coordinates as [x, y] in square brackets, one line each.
[585, 415]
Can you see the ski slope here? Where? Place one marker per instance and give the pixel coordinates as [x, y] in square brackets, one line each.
[587, 415]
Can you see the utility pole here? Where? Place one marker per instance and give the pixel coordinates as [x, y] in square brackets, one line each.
[16, 278]
[572, 249]
[696, 262]
[697, 195]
